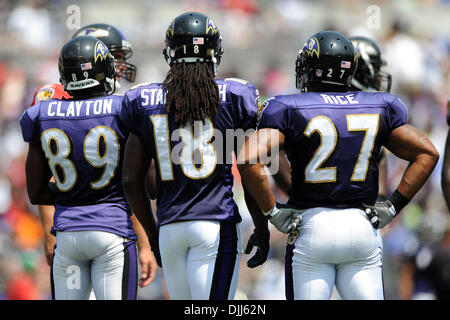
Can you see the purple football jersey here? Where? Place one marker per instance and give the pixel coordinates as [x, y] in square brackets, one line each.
[189, 190]
[333, 141]
[83, 141]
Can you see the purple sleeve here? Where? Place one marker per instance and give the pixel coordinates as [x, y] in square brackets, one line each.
[245, 98]
[29, 124]
[127, 112]
[398, 114]
[274, 114]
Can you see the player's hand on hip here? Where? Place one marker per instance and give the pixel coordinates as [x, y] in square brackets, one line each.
[285, 219]
[260, 240]
[380, 214]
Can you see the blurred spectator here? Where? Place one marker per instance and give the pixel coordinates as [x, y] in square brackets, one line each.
[31, 22]
[405, 58]
[21, 287]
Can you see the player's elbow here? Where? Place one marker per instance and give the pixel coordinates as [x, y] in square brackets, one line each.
[434, 156]
[430, 158]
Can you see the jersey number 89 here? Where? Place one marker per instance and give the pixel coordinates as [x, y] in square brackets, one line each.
[91, 150]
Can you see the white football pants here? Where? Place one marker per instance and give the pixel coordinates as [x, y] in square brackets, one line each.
[200, 259]
[334, 247]
[86, 260]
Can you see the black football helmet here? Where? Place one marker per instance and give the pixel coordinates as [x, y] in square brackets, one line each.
[193, 37]
[368, 76]
[119, 47]
[86, 68]
[327, 57]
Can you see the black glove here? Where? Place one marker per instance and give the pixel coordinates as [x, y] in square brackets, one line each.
[260, 240]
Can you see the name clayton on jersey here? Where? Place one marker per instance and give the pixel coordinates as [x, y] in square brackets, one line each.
[79, 108]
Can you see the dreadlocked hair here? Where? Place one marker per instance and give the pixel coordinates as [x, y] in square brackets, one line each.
[192, 92]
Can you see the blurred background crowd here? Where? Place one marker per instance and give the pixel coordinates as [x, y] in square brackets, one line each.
[261, 39]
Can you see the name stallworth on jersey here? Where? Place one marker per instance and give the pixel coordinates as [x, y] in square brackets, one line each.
[79, 108]
[155, 96]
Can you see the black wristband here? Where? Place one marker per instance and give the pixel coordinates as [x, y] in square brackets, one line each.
[398, 200]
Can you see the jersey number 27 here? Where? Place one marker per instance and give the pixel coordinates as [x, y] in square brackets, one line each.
[367, 123]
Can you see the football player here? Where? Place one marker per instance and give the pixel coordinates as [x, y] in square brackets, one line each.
[332, 137]
[121, 50]
[368, 77]
[198, 220]
[80, 142]
[117, 44]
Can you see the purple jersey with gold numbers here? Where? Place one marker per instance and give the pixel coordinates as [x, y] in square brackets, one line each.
[83, 141]
[333, 141]
[190, 190]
